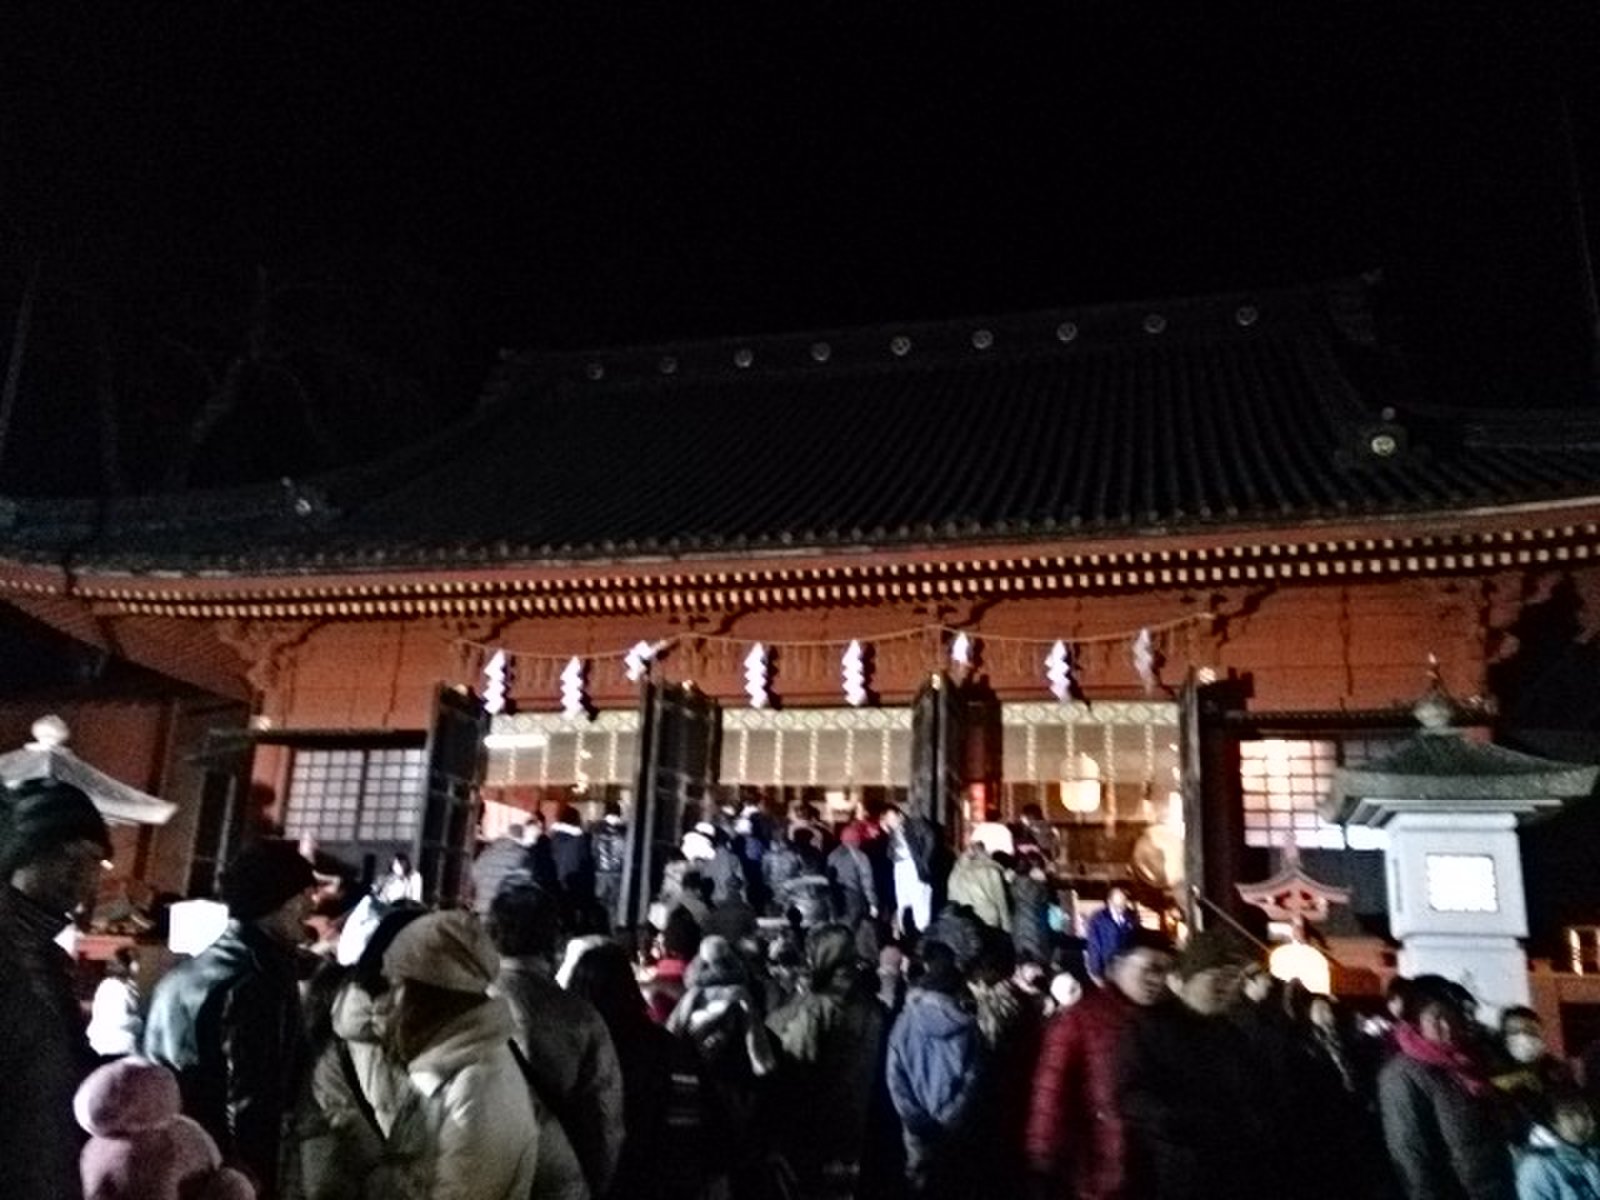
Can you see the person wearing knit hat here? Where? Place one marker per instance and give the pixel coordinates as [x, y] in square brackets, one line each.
[52, 845]
[476, 1122]
[228, 1023]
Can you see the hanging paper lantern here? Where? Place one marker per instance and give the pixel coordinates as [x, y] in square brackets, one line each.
[637, 662]
[575, 688]
[961, 656]
[496, 683]
[1081, 786]
[1058, 671]
[854, 669]
[1144, 658]
[758, 677]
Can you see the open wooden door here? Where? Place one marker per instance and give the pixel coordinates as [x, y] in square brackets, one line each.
[456, 762]
[680, 733]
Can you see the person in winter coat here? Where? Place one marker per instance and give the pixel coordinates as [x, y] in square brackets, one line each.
[506, 859]
[52, 842]
[979, 882]
[1030, 913]
[663, 1120]
[721, 1019]
[572, 858]
[831, 1039]
[1562, 1160]
[475, 1116]
[609, 840]
[664, 986]
[1440, 1115]
[228, 1022]
[935, 1067]
[1108, 929]
[1524, 1070]
[343, 1142]
[855, 890]
[779, 865]
[1193, 1105]
[570, 1060]
[1076, 1146]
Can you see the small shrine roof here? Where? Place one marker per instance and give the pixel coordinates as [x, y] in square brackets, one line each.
[47, 757]
[1267, 409]
[1442, 770]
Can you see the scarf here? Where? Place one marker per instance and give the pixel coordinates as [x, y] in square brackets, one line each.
[1461, 1065]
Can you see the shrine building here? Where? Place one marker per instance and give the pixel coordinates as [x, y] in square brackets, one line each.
[1173, 565]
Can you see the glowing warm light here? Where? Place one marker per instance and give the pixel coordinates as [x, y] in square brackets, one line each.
[1304, 962]
[1081, 788]
[1462, 883]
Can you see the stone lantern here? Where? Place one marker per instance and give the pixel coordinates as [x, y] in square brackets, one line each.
[1453, 865]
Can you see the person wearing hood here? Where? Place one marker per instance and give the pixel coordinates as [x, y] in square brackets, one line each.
[342, 1143]
[569, 1057]
[1440, 1114]
[831, 1039]
[476, 1122]
[1562, 1161]
[936, 1063]
[720, 1018]
[228, 1022]
[52, 844]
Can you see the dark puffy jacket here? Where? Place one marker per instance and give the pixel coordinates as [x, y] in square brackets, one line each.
[610, 842]
[1030, 918]
[502, 861]
[43, 1054]
[1446, 1143]
[1193, 1108]
[1075, 1133]
[572, 857]
[227, 1023]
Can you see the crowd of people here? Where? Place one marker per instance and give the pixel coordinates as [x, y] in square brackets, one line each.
[812, 1013]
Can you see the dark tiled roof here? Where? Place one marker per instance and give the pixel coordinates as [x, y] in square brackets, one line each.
[1220, 412]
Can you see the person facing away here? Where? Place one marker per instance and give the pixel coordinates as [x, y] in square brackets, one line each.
[570, 1059]
[1109, 928]
[936, 1061]
[831, 1038]
[115, 1025]
[52, 844]
[1076, 1145]
[610, 842]
[572, 857]
[1562, 1159]
[663, 1154]
[228, 1022]
[850, 872]
[913, 853]
[1441, 1119]
[506, 859]
[343, 1143]
[475, 1118]
[1193, 1105]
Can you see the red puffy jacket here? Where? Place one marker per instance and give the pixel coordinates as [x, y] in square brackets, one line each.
[1075, 1131]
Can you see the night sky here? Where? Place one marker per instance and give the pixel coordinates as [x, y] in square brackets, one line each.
[418, 186]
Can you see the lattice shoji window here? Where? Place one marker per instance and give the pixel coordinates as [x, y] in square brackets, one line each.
[355, 795]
